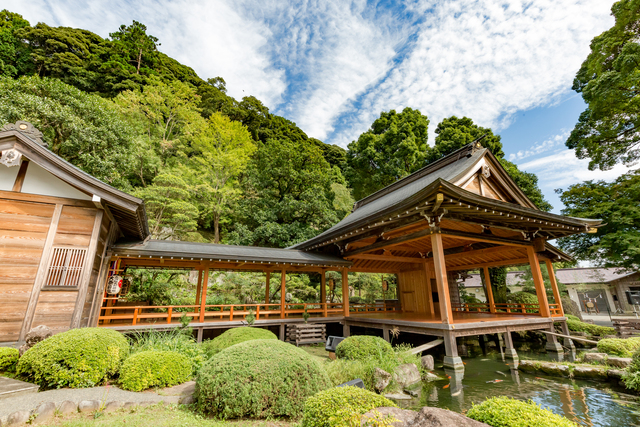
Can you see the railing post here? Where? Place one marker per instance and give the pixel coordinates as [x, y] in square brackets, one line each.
[489, 294]
[231, 314]
[169, 314]
[135, 316]
[283, 295]
[324, 309]
[258, 312]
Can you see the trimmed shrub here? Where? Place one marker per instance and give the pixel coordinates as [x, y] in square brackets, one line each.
[8, 359]
[589, 328]
[508, 412]
[178, 340]
[341, 407]
[77, 358]
[623, 347]
[361, 347]
[259, 379]
[572, 317]
[235, 336]
[153, 368]
[631, 376]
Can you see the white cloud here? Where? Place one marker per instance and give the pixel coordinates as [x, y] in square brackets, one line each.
[540, 147]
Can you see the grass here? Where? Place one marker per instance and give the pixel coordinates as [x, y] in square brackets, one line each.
[157, 416]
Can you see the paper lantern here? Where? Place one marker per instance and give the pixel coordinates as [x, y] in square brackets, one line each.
[331, 284]
[385, 285]
[114, 285]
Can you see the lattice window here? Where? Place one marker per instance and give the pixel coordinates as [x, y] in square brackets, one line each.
[65, 268]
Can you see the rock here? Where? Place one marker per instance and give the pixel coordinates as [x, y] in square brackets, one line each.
[554, 369]
[430, 377]
[406, 374]
[68, 407]
[34, 336]
[88, 406]
[381, 379]
[398, 396]
[17, 418]
[187, 400]
[427, 362]
[426, 417]
[413, 392]
[594, 357]
[588, 372]
[44, 413]
[112, 406]
[619, 362]
[615, 374]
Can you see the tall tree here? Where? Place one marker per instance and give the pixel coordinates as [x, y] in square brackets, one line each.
[608, 131]
[135, 46]
[617, 204]
[15, 57]
[287, 195]
[394, 147]
[82, 128]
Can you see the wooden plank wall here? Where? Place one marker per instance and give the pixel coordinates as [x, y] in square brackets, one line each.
[23, 231]
[413, 291]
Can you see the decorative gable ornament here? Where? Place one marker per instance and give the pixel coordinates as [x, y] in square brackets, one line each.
[27, 129]
[486, 171]
[11, 157]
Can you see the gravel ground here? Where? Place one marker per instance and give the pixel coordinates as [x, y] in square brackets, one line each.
[28, 402]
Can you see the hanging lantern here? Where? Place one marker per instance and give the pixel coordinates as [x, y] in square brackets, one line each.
[385, 285]
[114, 285]
[126, 285]
[331, 284]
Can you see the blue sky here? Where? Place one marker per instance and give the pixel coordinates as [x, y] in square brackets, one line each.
[332, 66]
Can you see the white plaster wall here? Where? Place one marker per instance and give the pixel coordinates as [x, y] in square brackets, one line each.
[573, 294]
[8, 177]
[39, 181]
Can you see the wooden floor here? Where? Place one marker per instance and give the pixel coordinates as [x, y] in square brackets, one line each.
[458, 317]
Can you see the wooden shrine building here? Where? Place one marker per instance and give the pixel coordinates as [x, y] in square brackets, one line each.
[63, 234]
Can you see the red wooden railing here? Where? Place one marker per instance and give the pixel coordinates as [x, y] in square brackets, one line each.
[506, 308]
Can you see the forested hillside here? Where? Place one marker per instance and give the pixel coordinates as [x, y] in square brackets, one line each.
[209, 167]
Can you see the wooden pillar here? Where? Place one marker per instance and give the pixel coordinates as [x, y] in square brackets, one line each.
[267, 295]
[385, 333]
[538, 281]
[510, 351]
[554, 285]
[203, 298]
[489, 293]
[323, 292]
[345, 291]
[199, 288]
[430, 308]
[283, 294]
[441, 278]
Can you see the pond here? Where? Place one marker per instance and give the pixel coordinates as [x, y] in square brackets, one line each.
[588, 403]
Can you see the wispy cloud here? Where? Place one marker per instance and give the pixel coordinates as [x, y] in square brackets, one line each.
[541, 147]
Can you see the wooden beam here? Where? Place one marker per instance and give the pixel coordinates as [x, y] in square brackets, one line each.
[267, 294]
[199, 287]
[391, 242]
[283, 294]
[345, 291]
[538, 281]
[479, 252]
[22, 173]
[392, 258]
[489, 295]
[28, 197]
[484, 238]
[518, 261]
[430, 307]
[203, 298]
[441, 279]
[554, 285]
[389, 227]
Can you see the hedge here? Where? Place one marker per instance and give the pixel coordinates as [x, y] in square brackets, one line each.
[341, 407]
[77, 358]
[154, 368]
[508, 412]
[578, 326]
[235, 336]
[623, 347]
[8, 359]
[259, 379]
[631, 376]
[178, 340]
[361, 347]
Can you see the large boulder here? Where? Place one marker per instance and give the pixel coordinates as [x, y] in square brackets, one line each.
[406, 374]
[426, 417]
[594, 357]
[620, 362]
[428, 362]
[34, 336]
[381, 378]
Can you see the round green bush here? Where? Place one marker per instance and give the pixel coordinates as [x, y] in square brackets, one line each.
[360, 347]
[8, 359]
[623, 347]
[235, 336]
[259, 379]
[589, 328]
[180, 341]
[154, 368]
[341, 407]
[77, 358]
[508, 412]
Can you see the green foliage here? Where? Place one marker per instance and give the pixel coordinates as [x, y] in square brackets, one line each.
[394, 147]
[15, 57]
[341, 371]
[288, 196]
[84, 129]
[589, 328]
[631, 376]
[235, 336]
[361, 347]
[623, 347]
[77, 358]
[259, 379]
[454, 133]
[175, 340]
[341, 407]
[153, 368]
[523, 298]
[508, 412]
[607, 131]
[617, 204]
[134, 47]
[8, 359]
[572, 317]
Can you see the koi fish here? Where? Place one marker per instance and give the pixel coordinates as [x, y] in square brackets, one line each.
[447, 386]
[494, 381]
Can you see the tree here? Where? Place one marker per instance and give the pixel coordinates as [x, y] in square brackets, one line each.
[608, 131]
[135, 46]
[287, 195]
[82, 128]
[617, 204]
[223, 151]
[394, 147]
[15, 57]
